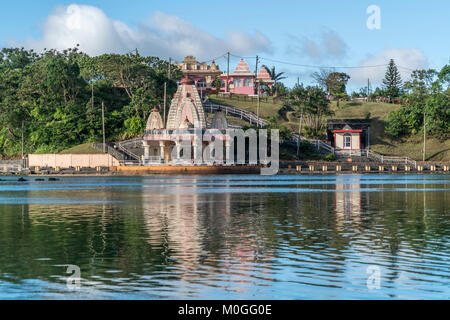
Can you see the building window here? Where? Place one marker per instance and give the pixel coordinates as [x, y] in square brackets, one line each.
[347, 141]
[237, 83]
[247, 82]
[222, 84]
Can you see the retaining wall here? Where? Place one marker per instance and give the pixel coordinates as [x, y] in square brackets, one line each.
[71, 160]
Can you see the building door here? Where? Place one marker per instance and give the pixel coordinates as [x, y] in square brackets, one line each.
[347, 141]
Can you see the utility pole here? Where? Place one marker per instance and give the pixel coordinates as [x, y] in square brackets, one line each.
[170, 65]
[228, 70]
[424, 135]
[22, 146]
[92, 95]
[103, 126]
[257, 109]
[257, 89]
[165, 98]
[299, 133]
[165, 92]
[256, 73]
[368, 90]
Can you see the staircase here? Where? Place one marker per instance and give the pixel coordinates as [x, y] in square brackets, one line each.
[115, 152]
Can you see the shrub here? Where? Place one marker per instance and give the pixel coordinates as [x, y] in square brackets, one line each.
[330, 157]
[393, 124]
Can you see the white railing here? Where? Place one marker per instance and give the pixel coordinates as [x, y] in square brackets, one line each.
[390, 159]
[318, 144]
[125, 147]
[116, 154]
[235, 112]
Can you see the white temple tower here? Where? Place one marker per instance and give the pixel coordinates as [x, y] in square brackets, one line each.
[186, 104]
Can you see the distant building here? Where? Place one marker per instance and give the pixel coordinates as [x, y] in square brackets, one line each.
[349, 136]
[241, 80]
[202, 73]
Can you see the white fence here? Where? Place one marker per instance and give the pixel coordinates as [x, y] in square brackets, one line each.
[389, 159]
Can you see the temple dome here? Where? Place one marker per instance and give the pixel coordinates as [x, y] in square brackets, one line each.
[186, 104]
[154, 121]
[219, 120]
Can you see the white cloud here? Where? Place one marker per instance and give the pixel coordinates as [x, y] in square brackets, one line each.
[329, 46]
[162, 35]
[404, 58]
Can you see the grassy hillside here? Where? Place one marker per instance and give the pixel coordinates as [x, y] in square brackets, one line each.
[85, 148]
[381, 143]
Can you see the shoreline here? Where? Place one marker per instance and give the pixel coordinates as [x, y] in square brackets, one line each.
[285, 168]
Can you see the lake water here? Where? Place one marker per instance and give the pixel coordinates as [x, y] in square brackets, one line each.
[227, 237]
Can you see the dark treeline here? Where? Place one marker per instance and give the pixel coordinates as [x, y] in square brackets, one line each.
[57, 97]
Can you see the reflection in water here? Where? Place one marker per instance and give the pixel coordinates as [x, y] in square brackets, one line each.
[227, 237]
[348, 203]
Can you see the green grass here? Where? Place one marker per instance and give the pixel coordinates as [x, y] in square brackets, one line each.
[380, 142]
[85, 148]
[266, 108]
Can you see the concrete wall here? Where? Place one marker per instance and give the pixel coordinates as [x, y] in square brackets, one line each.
[71, 160]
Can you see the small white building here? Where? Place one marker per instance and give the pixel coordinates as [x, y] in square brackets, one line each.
[349, 136]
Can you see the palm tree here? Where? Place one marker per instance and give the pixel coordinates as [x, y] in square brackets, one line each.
[275, 76]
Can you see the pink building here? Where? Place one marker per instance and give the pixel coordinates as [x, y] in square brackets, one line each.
[241, 80]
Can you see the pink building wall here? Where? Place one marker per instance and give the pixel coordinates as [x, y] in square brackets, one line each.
[239, 90]
[71, 160]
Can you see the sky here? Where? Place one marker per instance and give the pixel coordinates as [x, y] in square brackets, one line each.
[297, 37]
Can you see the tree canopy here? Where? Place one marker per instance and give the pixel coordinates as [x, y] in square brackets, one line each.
[57, 95]
[333, 82]
[427, 96]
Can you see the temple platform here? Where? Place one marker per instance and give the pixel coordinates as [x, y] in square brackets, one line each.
[201, 169]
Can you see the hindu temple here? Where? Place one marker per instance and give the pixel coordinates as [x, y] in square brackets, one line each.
[162, 144]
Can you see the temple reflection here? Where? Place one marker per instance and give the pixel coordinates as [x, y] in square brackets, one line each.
[348, 203]
[201, 230]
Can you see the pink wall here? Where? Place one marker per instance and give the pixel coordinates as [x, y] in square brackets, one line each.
[71, 160]
[241, 89]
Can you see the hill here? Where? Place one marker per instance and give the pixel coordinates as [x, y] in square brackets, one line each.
[85, 148]
[381, 143]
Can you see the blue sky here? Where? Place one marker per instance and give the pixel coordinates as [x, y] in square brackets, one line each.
[322, 33]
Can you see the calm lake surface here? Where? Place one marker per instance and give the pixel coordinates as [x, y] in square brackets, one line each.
[227, 237]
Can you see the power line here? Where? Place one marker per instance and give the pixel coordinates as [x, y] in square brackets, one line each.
[311, 66]
[215, 59]
[323, 67]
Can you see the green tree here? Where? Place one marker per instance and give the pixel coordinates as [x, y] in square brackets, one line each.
[311, 106]
[331, 81]
[217, 83]
[57, 95]
[392, 81]
[337, 82]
